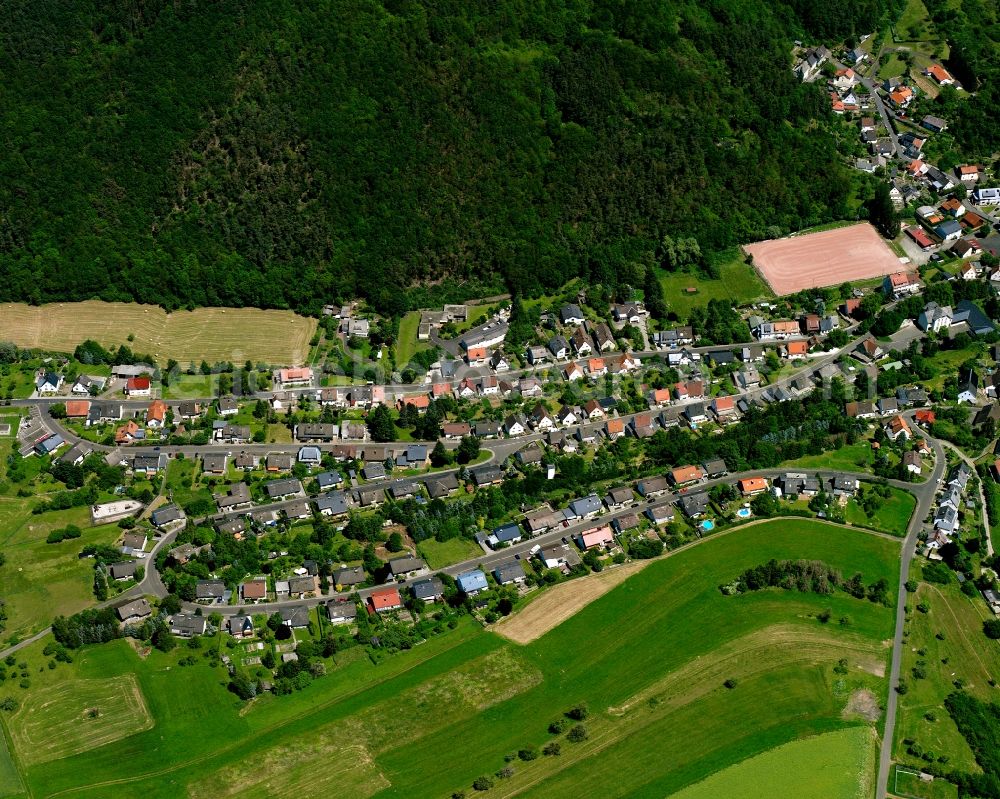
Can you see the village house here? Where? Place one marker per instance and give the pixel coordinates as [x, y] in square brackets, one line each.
[898, 428]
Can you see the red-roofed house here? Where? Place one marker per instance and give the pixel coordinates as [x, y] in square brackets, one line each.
[753, 485]
[724, 409]
[127, 432]
[898, 427]
[796, 349]
[596, 537]
[924, 416]
[901, 284]
[901, 97]
[156, 414]
[686, 474]
[138, 386]
[419, 401]
[969, 173]
[476, 356]
[385, 600]
[659, 396]
[300, 375]
[940, 74]
[918, 235]
[441, 389]
[615, 428]
[77, 409]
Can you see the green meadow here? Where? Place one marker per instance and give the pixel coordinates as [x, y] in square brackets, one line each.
[738, 282]
[681, 682]
[39, 579]
[836, 765]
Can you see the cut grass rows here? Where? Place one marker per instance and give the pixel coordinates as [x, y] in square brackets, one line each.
[209, 334]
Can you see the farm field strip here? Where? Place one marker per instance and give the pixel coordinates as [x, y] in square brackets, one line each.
[560, 602]
[811, 768]
[78, 715]
[318, 757]
[209, 334]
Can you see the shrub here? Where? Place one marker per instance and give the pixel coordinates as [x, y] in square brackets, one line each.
[552, 749]
[483, 783]
[730, 683]
[528, 753]
[577, 734]
[578, 712]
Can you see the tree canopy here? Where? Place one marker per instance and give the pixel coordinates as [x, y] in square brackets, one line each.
[291, 154]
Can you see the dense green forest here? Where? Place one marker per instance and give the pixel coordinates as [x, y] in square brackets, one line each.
[289, 154]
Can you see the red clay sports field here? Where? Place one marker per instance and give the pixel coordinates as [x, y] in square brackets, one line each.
[827, 258]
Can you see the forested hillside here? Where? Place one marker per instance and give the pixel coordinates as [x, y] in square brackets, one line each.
[288, 154]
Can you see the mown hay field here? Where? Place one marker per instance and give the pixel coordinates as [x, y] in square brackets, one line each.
[209, 334]
[78, 715]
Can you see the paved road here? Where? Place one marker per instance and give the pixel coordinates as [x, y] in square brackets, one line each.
[925, 502]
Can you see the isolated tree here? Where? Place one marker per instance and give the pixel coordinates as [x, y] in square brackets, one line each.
[380, 424]
[468, 449]
[440, 456]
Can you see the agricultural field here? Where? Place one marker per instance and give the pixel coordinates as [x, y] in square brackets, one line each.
[191, 387]
[209, 334]
[10, 778]
[78, 715]
[477, 696]
[39, 579]
[835, 765]
[737, 282]
[961, 653]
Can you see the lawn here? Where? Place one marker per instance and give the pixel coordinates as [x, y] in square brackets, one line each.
[42, 580]
[893, 514]
[209, 334]
[183, 484]
[406, 342]
[737, 283]
[908, 783]
[849, 458]
[969, 656]
[439, 554]
[836, 765]
[649, 658]
[191, 387]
